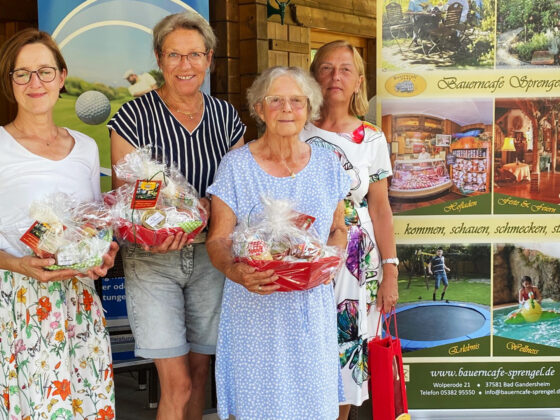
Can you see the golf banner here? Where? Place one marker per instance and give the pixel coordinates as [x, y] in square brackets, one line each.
[107, 45]
[468, 97]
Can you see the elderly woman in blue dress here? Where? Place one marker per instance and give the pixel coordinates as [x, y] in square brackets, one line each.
[277, 354]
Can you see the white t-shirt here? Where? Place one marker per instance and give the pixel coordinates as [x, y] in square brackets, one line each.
[143, 84]
[26, 177]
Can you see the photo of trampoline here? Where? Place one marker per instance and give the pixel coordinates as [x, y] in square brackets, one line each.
[431, 324]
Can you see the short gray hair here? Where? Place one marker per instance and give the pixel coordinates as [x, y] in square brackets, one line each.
[184, 20]
[307, 84]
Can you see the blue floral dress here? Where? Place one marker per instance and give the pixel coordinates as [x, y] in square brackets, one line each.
[365, 157]
[277, 354]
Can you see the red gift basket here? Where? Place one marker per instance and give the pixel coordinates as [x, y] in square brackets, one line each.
[138, 234]
[156, 201]
[285, 241]
[297, 275]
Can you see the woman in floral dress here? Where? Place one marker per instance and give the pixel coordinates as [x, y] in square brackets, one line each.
[371, 265]
[54, 347]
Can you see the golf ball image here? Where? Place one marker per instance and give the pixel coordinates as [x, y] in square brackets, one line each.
[92, 107]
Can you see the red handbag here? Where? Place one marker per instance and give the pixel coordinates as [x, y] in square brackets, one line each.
[388, 392]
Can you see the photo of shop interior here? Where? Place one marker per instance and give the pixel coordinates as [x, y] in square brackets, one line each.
[440, 150]
[526, 162]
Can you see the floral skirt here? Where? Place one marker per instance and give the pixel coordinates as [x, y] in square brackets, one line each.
[54, 349]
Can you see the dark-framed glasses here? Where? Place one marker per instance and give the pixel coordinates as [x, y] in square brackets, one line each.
[195, 57]
[23, 76]
[275, 102]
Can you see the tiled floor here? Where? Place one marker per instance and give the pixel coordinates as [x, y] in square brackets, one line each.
[132, 404]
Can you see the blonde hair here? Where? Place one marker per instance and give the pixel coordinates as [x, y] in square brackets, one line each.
[359, 104]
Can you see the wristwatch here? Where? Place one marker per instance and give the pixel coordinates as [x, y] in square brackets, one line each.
[394, 261]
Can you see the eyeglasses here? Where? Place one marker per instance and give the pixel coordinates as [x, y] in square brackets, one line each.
[195, 57]
[23, 76]
[278, 102]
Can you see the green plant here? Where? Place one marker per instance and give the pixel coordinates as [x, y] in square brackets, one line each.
[525, 50]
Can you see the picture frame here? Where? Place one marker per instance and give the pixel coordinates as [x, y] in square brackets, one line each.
[443, 140]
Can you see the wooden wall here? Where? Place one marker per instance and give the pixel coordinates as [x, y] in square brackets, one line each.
[262, 42]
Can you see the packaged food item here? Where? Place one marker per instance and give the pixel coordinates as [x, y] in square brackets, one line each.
[76, 234]
[156, 202]
[285, 241]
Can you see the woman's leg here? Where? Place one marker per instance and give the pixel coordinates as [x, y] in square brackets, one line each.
[175, 384]
[199, 366]
[344, 411]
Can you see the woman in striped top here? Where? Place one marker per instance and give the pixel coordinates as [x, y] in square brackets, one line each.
[173, 292]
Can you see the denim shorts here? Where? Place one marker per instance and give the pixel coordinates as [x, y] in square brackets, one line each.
[173, 301]
[441, 277]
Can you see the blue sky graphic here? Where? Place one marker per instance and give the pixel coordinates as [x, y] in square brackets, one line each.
[104, 53]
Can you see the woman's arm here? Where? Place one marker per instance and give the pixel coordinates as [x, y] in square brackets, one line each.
[338, 234]
[119, 149]
[34, 267]
[538, 295]
[382, 217]
[218, 244]
[239, 143]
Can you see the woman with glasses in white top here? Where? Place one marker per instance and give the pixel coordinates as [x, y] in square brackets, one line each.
[173, 292]
[277, 354]
[55, 350]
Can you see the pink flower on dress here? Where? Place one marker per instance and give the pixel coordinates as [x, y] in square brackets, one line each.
[19, 346]
[71, 331]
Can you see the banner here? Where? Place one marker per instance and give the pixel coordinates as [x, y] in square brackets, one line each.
[468, 97]
[107, 45]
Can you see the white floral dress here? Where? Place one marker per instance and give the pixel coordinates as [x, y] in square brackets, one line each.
[56, 360]
[365, 157]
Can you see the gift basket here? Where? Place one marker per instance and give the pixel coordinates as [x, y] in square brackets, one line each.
[285, 241]
[156, 202]
[76, 234]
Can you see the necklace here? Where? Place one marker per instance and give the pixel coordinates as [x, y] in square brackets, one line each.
[292, 174]
[189, 115]
[47, 141]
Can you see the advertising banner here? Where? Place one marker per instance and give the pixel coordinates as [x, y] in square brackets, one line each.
[468, 93]
[107, 45]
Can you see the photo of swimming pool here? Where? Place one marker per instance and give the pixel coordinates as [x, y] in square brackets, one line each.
[540, 332]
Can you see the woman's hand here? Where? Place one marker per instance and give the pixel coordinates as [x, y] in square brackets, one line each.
[35, 267]
[388, 292]
[108, 262]
[171, 243]
[254, 281]
[205, 203]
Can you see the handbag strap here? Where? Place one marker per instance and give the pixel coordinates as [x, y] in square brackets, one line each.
[387, 320]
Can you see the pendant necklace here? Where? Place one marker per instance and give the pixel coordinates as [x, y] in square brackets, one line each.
[292, 174]
[47, 141]
[189, 115]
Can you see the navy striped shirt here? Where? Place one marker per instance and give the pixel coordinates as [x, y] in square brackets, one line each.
[146, 121]
[438, 264]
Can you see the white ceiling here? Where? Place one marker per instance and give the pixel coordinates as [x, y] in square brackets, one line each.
[461, 110]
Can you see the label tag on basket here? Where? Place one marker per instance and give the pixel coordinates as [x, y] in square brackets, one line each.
[32, 238]
[145, 194]
[304, 221]
[153, 219]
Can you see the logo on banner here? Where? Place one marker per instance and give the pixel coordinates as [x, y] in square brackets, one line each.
[405, 84]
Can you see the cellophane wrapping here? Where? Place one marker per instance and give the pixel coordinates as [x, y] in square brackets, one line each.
[283, 240]
[176, 210]
[76, 234]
